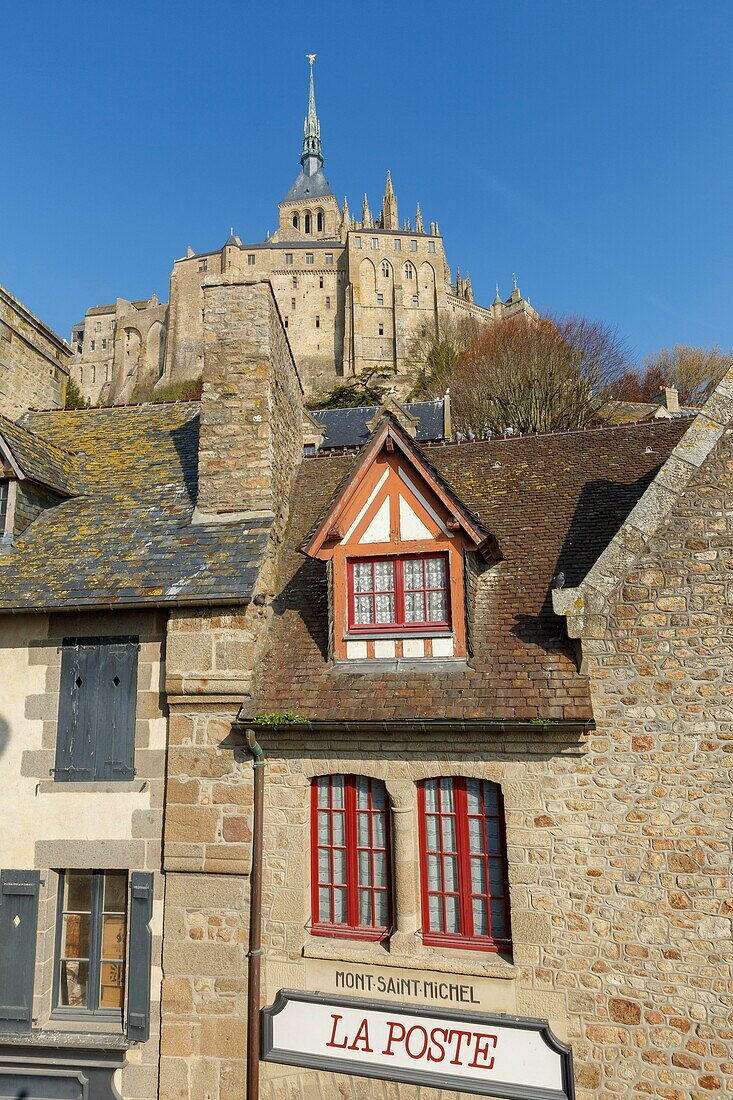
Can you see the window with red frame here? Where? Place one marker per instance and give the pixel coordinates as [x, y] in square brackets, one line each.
[408, 592]
[463, 864]
[350, 872]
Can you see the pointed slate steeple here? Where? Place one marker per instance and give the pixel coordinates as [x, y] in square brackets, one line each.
[311, 129]
[311, 183]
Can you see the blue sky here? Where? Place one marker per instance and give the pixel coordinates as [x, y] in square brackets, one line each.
[586, 146]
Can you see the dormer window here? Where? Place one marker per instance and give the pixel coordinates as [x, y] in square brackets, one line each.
[410, 593]
[403, 550]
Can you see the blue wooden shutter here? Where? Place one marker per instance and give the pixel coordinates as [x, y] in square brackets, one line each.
[77, 715]
[139, 956]
[115, 758]
[97, 707]
[18, 931]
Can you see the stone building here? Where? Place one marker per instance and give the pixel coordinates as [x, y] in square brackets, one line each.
[491, 681]
[352, 293]
[34, 361]
[120, 350]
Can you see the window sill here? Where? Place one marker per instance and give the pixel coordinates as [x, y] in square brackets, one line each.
[54, 786]
[398, 664]
[397, 634]
[474, 963]
[84, 1037]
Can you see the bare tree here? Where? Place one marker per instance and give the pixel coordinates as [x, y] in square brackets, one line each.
[433, 353]
[694, 372]
[533, 375]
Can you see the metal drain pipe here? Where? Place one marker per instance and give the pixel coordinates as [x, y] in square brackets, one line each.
[254, 954]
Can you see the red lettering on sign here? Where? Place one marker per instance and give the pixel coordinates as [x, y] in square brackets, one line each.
[433, 1057]
[481, 1050]
[459, 1036]
[421, 1032]
[362, 1036]
[332, 1041]
[392, 1037]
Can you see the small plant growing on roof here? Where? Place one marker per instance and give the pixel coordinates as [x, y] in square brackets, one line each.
[281, 718]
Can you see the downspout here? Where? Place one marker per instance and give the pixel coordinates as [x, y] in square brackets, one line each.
[254, 954]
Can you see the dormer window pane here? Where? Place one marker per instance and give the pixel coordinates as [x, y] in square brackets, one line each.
[400, 591]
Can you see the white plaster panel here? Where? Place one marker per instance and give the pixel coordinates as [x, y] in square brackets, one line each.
[442, 647]
[412, 528]
[413, 647]
[356, 649]
[378, 529]
[383, 647]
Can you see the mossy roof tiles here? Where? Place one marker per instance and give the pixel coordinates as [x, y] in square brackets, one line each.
[39, 460]
[553, 503]
[127, 538]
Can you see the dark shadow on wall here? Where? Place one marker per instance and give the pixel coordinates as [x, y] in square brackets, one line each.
[600, 511]
[4, 735]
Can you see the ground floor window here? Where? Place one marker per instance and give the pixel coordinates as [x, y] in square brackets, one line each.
[91, 942]
[350, 870]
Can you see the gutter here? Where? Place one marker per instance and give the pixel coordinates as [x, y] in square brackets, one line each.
[425, 725]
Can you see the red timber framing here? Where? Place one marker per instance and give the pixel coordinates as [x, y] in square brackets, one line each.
[395, 506]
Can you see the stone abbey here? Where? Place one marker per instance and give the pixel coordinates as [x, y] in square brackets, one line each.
[351, 294]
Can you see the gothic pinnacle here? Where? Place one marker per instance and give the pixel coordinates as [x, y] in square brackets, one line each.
[366, 214]
[419, 227]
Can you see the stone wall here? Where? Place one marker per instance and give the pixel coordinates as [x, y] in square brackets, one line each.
[656, 894]
[251, 406]
[34, 361]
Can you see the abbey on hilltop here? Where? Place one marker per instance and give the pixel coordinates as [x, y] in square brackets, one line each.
[352, 293]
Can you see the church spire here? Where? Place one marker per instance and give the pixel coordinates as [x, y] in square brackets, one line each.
[312, 156]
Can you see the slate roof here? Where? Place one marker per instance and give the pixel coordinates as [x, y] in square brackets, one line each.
[126, 539]
[553, 502]
[348, 427]
[40, 460]
[309, 187]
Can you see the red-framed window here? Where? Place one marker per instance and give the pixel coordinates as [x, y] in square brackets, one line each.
[463, 864]
[351, 874]
[410, 592]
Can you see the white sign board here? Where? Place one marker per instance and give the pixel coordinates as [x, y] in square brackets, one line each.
[469, 1052]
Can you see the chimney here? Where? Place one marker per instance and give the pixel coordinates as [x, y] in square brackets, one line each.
[251, 440]
[668, 398]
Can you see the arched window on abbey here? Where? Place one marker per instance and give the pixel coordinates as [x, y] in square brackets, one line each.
[296, 221]
[319, 221]
[307, 223]
[386, 270]
[409, 271]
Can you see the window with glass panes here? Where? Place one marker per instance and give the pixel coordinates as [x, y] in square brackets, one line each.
[91, 942]
[3, 504]
[464, 874]
[410, 592]
[350, 873]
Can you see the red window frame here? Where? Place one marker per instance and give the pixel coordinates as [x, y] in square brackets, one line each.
[351, 929]
[399, 595]
[464, 891]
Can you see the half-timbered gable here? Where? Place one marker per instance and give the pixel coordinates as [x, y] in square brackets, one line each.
[396, 538]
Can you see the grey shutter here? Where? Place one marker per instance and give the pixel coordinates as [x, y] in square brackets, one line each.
[77, 715]
[18, 931]
[97, 706]
[117, 710]
[139, 956]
